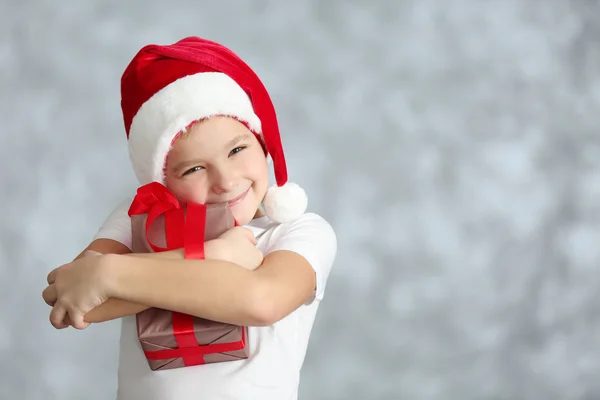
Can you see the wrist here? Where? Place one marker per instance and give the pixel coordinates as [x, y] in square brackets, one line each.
[109, 272]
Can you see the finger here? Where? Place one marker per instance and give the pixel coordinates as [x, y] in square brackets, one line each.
[49, 295]
[52, 276]
[77, 321]
[62, 325]
[57, 316]
[250, 235]
[66, 322]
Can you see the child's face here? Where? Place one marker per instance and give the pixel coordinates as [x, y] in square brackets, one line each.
[219, 160]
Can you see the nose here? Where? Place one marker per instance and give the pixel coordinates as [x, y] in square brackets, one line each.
[223, 180]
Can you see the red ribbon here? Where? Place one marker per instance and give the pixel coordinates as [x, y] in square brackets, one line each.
[193, 238]
[185, 231]
[198, 351]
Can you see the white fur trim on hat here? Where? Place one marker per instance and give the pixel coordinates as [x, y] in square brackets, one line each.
[172, 109]
[285, 203]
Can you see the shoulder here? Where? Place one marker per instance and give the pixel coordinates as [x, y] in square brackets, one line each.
[120, 211]
[310, 234]
[117, 226]
[312, 237]
[311, 221]
[310, 227]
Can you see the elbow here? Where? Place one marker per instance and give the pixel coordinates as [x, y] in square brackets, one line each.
[262, 309]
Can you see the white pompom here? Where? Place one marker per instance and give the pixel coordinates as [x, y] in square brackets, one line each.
[286, 203]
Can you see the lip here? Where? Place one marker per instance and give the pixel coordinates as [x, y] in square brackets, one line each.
[238, 199]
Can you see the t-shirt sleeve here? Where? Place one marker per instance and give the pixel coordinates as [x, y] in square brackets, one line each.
[117, 225]
[313, 238]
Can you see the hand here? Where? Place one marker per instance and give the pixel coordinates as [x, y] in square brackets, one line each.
[67, 321]
[237, 245]
[74, 289]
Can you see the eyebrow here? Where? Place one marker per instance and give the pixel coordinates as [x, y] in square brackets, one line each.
[236, 140]
[229, 144]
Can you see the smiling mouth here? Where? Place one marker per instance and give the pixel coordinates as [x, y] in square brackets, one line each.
[238, 199]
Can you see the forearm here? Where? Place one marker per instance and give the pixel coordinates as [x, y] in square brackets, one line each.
[211, 289]
[112, 309]
[115, 308]
[105, 246]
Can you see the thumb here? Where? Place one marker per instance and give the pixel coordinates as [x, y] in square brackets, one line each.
[77, 320]
[250, 235]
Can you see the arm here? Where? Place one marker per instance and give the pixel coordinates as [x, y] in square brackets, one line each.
[116, 307]
[213, 289]
[113, 308]
[113, 237]
[298, 263]
[105, 246]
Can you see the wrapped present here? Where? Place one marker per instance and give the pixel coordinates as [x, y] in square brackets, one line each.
[171, 339]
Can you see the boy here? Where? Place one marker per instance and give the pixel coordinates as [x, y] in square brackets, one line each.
[200, 121]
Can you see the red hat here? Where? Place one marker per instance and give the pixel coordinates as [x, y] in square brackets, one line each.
[166, 88]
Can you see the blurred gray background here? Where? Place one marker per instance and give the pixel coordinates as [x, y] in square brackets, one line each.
[454, 146]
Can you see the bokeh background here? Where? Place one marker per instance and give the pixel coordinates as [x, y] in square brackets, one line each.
[453, 144]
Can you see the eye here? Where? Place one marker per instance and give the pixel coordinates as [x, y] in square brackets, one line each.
[192, 170]
[236, 150]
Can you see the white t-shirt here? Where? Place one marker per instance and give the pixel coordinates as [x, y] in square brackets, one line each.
[277, 352]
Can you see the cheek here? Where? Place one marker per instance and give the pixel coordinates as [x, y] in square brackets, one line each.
[261, 181]
[188, 190]
[257, 168]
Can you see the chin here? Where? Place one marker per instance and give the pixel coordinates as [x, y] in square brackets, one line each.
[247, 210]
[242, 218]
[242, 213]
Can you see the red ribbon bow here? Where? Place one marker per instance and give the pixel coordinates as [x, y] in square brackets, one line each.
[183, 228]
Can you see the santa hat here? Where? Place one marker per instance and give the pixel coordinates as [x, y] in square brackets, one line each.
[165, 89]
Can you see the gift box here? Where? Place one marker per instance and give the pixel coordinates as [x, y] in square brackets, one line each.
[171, 339]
